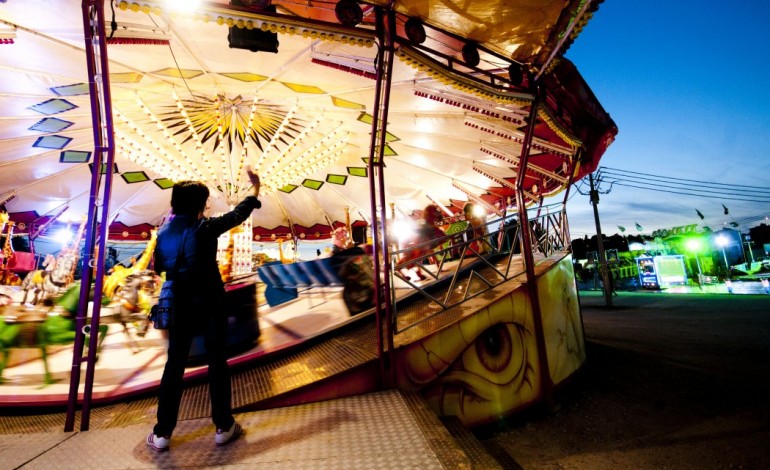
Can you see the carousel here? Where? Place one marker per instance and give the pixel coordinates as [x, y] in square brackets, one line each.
[408, 146]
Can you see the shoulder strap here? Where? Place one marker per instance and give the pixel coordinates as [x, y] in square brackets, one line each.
[180, 253]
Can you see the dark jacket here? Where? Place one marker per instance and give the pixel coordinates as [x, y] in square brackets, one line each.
[198, 276]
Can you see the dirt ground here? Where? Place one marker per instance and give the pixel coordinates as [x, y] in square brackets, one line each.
[672, 381]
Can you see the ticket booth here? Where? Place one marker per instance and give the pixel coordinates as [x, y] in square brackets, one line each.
[648, 276]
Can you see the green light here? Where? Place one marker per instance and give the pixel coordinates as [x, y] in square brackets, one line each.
[693, 244]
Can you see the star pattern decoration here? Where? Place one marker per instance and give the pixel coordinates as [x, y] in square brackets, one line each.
[241, 121]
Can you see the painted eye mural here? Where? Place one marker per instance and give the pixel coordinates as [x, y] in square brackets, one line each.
[482, 367]
[562, 326]
[487, 365]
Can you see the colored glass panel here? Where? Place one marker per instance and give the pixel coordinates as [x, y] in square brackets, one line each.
[336, 179]
[313, 184]
[52, 142]
[163, 183]
[71, 90]
[131, 177]
[74, 156]
[51, 125]
[53, 106]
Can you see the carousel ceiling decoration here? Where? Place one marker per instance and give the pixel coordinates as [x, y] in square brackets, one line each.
[290, 91]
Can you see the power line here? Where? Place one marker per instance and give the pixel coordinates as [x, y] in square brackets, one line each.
[728, 198]
[682, 186]
[683, 179]
[675, 184]
[689, 187]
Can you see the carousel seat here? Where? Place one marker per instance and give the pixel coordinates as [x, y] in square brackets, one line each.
[299, 276]
[282, 281]
[278, 288]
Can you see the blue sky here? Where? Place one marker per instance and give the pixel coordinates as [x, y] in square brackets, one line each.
[688, 85]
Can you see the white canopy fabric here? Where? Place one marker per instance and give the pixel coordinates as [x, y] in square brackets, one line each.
[187, 106]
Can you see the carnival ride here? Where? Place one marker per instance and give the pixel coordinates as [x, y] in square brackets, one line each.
[408, 105]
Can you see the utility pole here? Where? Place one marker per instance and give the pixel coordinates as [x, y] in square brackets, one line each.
[600, 243]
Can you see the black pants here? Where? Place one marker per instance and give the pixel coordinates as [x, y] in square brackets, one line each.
[212, 323]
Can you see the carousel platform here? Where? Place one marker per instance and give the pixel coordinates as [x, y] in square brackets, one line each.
[309, 327]
[310, 350]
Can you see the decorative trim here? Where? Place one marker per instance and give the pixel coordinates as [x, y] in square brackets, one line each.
[440, 73]
[275, 24]
[546, 116]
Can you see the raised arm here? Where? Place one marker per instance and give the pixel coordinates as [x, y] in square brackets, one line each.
[254, 178]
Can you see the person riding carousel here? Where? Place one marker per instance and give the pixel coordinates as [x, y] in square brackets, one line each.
[423, 241]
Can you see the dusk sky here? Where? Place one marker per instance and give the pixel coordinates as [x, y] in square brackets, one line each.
[688, 85]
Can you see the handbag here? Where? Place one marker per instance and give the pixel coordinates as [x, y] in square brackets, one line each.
[162, 313]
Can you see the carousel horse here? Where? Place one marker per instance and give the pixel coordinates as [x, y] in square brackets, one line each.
[37, 281]
[55, 278]
[53, 330]
[119, 273]
[132, 303]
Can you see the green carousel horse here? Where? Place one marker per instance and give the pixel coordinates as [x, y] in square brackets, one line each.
[55, 329]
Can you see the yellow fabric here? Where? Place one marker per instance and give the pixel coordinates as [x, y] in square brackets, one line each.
[517, 30]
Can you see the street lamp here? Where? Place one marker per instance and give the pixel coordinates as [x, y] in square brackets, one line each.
[722, 241]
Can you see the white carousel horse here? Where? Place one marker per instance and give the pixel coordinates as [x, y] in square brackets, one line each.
[53, 280]
[35, 281]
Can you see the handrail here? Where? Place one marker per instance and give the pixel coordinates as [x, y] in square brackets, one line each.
[481, 248]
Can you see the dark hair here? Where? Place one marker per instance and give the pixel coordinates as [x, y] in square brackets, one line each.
[189, 197]
[432, 214]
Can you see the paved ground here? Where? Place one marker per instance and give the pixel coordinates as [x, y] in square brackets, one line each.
[677, 381]
[672, 381]
[383, 430]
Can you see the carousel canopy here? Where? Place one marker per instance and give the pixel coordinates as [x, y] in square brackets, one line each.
[289, 87]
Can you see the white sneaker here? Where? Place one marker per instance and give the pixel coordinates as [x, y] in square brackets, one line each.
[157, 443]
[224, 437]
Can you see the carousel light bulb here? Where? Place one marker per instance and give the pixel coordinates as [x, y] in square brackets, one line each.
[63, 236]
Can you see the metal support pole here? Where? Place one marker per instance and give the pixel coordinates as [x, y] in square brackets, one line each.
[600, 243]
[751, 252]
[727, 265]
[526, 245]
[386, 30]
[565, 223]
[700, 274]
[101, 115]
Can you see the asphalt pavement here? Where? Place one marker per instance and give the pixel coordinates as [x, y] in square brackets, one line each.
[672, 380]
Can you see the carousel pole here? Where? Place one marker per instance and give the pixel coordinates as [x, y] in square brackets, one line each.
[567, 239]
[347, 222]
[101, 115]
[385, 31]
[526, 242]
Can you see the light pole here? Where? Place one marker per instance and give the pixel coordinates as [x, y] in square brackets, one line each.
[747, 238]
[722, 241]
[693, 245]
[600, 244]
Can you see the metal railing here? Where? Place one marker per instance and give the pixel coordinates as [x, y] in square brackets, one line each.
[483, 253]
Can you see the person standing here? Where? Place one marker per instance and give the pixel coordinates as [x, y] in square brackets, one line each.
[199, 301]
